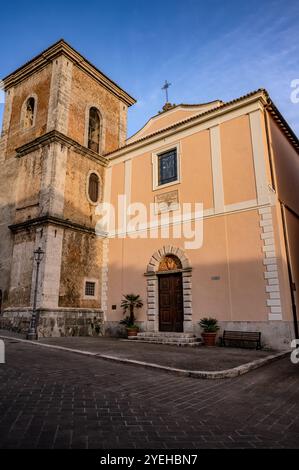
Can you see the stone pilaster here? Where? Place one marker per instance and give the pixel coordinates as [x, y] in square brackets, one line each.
[53, 179]
[152, 303]
[270, 263]
[187, 299]
[50, 239]
[60, 94]
[123, 110]
[6, 123]
[104, 280]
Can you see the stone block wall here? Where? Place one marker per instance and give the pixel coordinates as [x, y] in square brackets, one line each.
[55, 323]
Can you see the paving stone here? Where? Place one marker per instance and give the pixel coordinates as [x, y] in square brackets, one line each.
[62, 400]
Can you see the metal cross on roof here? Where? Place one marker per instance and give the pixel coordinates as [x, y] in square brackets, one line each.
[165, 87]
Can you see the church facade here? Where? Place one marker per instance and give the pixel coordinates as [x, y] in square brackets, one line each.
[197, 212]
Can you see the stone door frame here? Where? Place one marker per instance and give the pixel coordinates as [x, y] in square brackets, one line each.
[152, 274]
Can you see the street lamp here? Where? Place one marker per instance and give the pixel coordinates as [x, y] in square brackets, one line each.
[32, 332]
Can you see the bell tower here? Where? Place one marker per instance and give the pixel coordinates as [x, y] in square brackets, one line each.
[62, 115]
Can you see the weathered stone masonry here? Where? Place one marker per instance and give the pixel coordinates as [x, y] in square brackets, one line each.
[48, 165]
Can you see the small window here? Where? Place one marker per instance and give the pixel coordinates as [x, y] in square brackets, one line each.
[93, 187]
[167, 167]
[90, 288]
[94, 128]
[29, 113]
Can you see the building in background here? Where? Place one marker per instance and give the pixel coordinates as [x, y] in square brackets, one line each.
[64, 150]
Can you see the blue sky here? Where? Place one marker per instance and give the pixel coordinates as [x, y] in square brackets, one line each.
[207, 50]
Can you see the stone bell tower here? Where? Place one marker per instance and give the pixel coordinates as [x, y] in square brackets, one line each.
[62, 115]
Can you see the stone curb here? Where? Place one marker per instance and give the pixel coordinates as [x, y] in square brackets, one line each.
[198, 374]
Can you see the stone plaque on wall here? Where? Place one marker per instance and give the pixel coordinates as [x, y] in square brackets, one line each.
[166, 202]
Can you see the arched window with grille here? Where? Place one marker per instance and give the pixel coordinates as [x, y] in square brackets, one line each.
[93, 187]
[29, 113]
[94, 130]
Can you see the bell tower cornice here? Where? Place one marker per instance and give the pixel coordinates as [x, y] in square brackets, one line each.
[61, 47]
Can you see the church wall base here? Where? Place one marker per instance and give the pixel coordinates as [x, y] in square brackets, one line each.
[90, 322]
[276, 335]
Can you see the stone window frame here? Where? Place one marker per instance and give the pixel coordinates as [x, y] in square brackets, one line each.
[96, 289]
[155, 166]
[152, 275]
[102, 127]
[23, 109]
[100, 187]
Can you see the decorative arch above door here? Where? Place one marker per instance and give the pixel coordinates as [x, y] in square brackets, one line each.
[165, 261]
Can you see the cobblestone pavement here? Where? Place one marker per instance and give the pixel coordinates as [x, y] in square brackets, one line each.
[199, 358]
[53, 399]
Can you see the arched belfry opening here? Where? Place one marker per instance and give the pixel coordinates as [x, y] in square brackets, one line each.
[169, 291]
[29, 113]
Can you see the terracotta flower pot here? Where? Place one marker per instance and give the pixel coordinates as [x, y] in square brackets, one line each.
[209, 338]
[132, 331]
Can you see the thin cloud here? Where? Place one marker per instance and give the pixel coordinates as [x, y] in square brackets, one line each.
[260, 52]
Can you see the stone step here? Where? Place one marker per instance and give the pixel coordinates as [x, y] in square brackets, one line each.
[171, 338]
[165, 341]
[160, 334]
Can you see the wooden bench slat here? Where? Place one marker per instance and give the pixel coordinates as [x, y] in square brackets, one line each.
[244, 336]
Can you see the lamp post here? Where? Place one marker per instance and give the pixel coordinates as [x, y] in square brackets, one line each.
[32, 332]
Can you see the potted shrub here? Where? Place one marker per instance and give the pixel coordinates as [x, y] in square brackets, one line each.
[129, 303]
[210, 328]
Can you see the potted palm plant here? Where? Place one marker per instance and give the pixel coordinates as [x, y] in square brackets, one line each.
[129, 303]
[210, 328]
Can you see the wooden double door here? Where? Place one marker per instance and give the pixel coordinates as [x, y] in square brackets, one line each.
[171, 309]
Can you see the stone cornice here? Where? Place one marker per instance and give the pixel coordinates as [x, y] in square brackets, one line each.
[63, 48]
[50, 220]
[58, 137]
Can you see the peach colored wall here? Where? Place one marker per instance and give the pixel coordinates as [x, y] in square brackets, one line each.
[232, 250]
[142, 172]
[210, 297]
[196, 167]
[167, 119]
[237, 161]
[117, 182]
[245, 258]
[196, 173]
[127, 264]
[232, 247]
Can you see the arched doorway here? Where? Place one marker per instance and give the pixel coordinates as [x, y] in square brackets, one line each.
[170, 287]
[169, 291]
